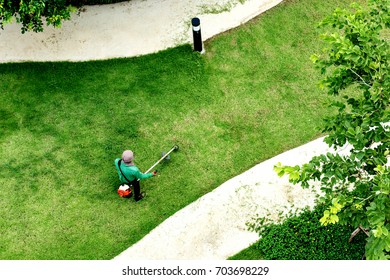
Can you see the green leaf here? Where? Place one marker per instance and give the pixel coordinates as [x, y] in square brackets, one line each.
[360, 155]
[279, 169]
[294, 175]
[334, 219]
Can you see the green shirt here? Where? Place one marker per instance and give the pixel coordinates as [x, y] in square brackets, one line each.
[131, 172]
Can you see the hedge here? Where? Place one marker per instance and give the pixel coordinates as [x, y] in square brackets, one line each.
[303, 238]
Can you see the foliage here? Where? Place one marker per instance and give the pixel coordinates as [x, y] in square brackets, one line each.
[30, 13]
[357, 58]
[301, 237]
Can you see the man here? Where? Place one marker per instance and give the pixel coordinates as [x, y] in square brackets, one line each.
[130, 174]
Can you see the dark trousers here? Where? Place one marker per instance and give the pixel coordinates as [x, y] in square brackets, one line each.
[136, 188]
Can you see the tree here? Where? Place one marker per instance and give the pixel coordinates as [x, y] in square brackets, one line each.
[30, 13]
[356, 186]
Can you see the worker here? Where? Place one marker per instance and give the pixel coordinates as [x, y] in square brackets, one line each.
[130, 174]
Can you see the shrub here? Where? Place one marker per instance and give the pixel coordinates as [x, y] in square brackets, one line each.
[303, 238]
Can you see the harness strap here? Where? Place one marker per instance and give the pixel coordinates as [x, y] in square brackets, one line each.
[119, 166]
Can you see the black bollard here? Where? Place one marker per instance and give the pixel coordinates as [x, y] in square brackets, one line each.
[197, 34]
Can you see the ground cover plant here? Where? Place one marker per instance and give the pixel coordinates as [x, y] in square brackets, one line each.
[302, 237]
[251, 96]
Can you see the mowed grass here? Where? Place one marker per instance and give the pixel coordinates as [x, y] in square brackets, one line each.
[252, 95]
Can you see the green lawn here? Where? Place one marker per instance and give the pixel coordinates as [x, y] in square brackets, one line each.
[252, 95]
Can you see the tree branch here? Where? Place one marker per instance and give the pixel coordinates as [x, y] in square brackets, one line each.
[364, 82]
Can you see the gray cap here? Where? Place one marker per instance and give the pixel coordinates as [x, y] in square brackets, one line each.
[128, 157]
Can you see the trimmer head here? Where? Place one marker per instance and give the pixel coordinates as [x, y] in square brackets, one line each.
[168, 157]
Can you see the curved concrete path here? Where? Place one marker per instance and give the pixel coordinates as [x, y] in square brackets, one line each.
[126, 29]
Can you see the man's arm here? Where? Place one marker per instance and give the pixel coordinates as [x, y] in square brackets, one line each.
[139, 175]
